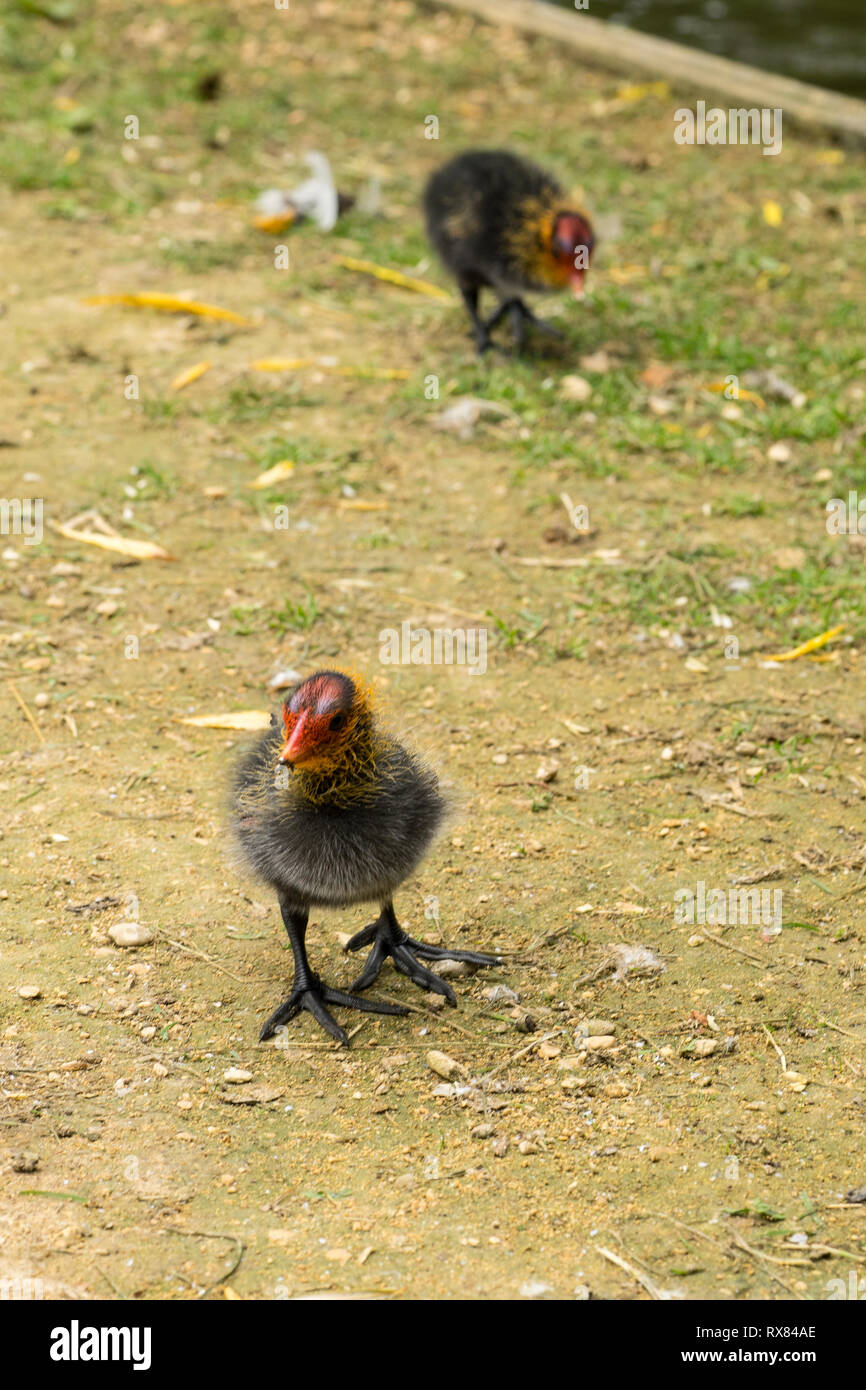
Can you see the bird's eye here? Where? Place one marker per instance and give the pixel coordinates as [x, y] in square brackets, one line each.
[337, 723]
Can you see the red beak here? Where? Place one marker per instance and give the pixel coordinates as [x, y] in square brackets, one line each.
[575, 280]
[295, 746]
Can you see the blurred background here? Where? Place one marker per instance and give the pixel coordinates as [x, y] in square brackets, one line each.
[820, 43]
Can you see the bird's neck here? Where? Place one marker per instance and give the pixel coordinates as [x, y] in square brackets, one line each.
[351, 778]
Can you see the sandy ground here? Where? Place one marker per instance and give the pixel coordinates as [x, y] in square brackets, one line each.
[613, 754]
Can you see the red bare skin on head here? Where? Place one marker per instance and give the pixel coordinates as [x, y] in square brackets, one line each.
[315, 718]
[571, 248]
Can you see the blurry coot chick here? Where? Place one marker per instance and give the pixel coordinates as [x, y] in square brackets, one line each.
[331, 811]
[499, 221]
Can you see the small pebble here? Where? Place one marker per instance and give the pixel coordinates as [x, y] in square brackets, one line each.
[575, 388]
[443, 1065]
[130, 934]
[235, 1076]
[147, 1033]
[597, 1027]
[29, 992]
[481, 1132]
[454, 969]
[41, 701]
[600, 1044]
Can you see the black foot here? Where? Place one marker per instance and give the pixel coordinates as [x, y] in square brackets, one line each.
[312, 996]
[389, 939]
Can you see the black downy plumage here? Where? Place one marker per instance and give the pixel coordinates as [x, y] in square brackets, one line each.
[332, 811]
[498, 221]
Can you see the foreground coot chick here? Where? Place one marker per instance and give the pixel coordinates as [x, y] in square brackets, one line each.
[499, 221]
[331, 811]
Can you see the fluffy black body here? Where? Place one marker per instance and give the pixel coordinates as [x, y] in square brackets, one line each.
[336, 855]
[348, 823]
[477, 208]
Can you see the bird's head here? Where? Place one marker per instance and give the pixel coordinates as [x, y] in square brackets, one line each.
[571, 245]
[320, 719]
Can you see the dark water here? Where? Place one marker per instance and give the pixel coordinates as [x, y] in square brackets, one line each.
[819, 41]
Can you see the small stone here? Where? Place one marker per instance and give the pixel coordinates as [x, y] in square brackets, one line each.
[130, 934]
[746, 748]
[705, 1047]
[779, 452]
[595, 362]
[434, 1001]
[526, 1146]
[571, 1063]
[235, 1076]
[24, 1162]
[501, 994]
[575, 388]
[615, 1090]
[600, 1044]
[500, 759]
[696, 940]
[547, 772]
[499, 1147]
[147, 1033]
[29, 992]
[42, 701]
[481, 1132]
[661, 405]
[656, 1152]
[454, 969]
[443, 1065]
[597, 1027]
[159, 1069]
[547, 1052]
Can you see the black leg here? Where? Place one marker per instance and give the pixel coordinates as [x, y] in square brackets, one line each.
[470, 299]
[389, 939]
[309, 992]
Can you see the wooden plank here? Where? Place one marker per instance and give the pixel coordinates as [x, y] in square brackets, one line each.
[626, 50]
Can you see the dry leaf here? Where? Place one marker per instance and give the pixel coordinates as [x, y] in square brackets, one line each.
[190, 375]
[240, 719]
[169, 303]
[394, 277]
[772, 213]
[638, 90]
[123, 545]
[284, 469]
[295, 364]
[812, 645]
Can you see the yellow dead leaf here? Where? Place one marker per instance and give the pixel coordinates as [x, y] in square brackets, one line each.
[190, 375]
[638, 90]
[772, 212]
[742, 393]
[812, 645]
[296, 364]
[284, 469]
[230, 1294]
[123, 545]
[394, 277]
[830, 156]
[72, 155]
[247, 719]
[168, 303]
[275, 222]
